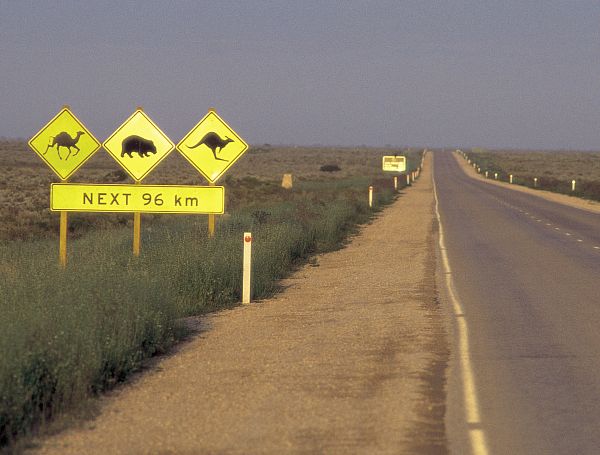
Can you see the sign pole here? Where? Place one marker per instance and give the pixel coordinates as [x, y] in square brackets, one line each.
[137, 230]
[62, 245]
[63, 239]
[211, 220]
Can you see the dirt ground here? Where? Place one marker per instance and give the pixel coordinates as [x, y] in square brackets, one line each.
[584, 204]
[350, 358]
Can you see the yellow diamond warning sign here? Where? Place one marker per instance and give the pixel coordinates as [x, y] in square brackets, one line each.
[64, 143]
[212, 146]
[138, 145]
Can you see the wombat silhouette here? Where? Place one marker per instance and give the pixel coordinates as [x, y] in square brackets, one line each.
[136, 144]
[64, 139]
[213, 141]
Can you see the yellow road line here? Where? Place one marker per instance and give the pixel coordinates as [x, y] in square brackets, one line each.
[476, 433]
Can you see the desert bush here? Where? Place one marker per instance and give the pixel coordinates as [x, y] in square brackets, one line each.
[330, 168]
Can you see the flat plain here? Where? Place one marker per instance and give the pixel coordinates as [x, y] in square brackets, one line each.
[25, 181]
[556, 164]
[554, 170]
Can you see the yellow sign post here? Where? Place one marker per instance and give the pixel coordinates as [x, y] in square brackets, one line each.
[137, 198]
[64, 144]
[394, 163]
[138, 145]
[212, 147]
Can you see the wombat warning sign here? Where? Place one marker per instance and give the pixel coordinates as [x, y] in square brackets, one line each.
[138, 145]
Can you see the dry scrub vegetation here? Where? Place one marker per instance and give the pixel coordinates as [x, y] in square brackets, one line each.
[66, 335]
[25, 181]
[554, 169]
[563, 165]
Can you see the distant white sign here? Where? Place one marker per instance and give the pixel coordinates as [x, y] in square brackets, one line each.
[394, 163]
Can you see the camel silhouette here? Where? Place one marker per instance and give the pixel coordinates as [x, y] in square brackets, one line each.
[63, 139]
[213, 141]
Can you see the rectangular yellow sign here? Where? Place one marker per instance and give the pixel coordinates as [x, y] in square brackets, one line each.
[394, 163]
[75, 197]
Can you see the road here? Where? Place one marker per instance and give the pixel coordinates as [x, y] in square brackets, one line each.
[526, 273]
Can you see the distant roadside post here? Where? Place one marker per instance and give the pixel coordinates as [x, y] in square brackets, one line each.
[573, 185]
[65, 133]
[212, 147]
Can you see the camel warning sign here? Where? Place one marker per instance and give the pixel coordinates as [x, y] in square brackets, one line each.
[64, 143]
[212, 146]
[138, 145]
[394, 163]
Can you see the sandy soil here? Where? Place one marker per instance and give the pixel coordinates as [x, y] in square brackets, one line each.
[584, 204]
[350, 358]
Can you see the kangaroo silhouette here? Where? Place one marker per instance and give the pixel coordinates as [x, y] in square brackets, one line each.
[63, 139]
[213, 141]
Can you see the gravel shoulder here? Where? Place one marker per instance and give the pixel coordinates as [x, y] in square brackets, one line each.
[584, 204]
[350, 358]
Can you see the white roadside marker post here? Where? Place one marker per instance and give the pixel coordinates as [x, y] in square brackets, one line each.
[573, 185]
[370, 196]
[407, 179]
[510, 178]
[495, 176]
[535, 182]
[395, 183]
[247, 275]
[486, 174]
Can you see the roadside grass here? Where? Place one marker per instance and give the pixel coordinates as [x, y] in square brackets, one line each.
[25, 181]
[554, 170]
[67, 335]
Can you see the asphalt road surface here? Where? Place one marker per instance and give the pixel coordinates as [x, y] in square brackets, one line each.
[526, 273]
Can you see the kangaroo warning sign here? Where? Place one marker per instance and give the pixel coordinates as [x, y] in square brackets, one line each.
[138, 145]
[394, 163]
[64, 143]
[212, 146]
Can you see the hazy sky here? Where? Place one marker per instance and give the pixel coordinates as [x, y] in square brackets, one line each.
[501, 73]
